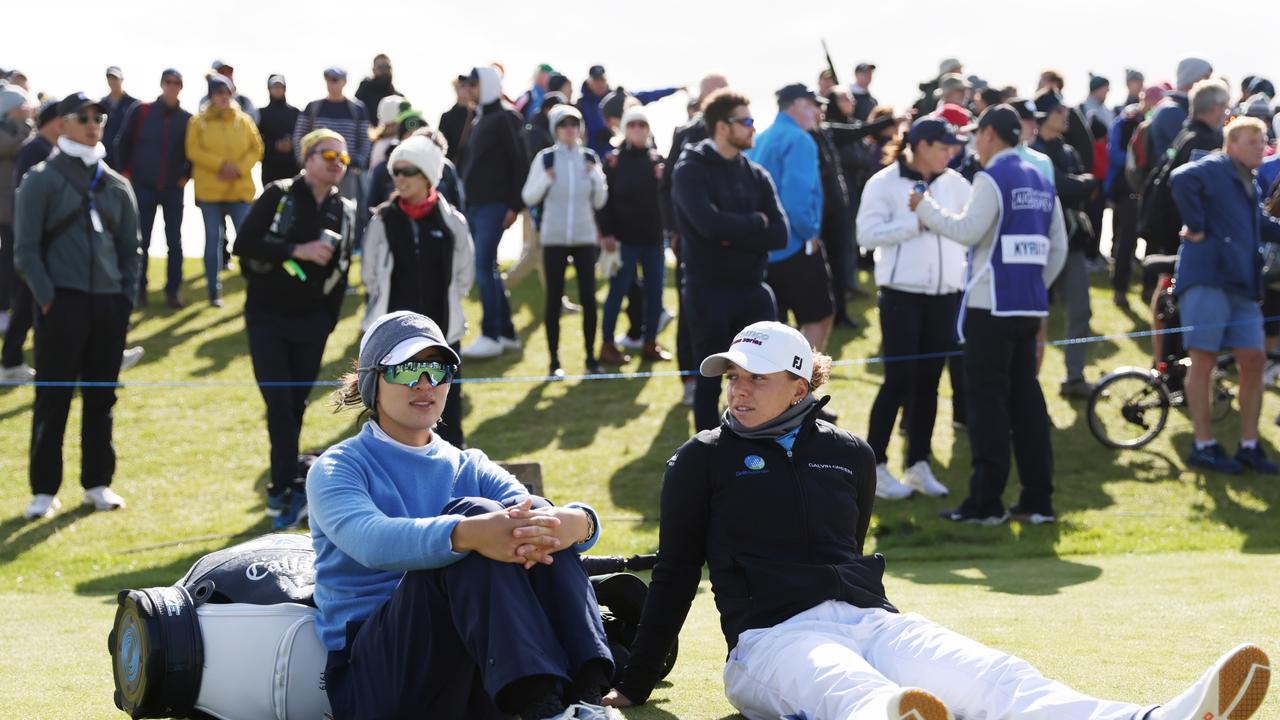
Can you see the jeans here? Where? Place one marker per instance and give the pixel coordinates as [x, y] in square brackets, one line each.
[486, 231]
[149, 200]
[651, 260]
[214, 235]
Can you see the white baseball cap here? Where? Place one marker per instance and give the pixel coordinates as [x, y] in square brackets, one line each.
[763, 348]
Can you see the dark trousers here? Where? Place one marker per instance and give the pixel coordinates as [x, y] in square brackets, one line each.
[451, 642]
[555, 262]
[8, 275]
[716, 314]
[1004, 397]
[450, 425]
[79, 340]
[21, 311]
[836, 248]
[911, 324]
[170, 201]
[1124, 241]
[636, 309]
[684, 336]
[286, 349]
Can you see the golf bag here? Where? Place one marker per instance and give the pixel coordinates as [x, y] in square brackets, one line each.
[235, 638]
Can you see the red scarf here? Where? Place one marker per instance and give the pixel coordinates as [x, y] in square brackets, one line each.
[419, 210]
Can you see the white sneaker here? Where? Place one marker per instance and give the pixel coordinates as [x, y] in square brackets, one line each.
[130, 357]
[627, 343]
[103, 498]
[919, 477]
[42, 506]
[568, 306]
[483, 347]
[1270, 372]
[917, 704]
[664, 319]
[690, 388]
[1231, 689]
[587, 711]
[18, 373]
[887, 486]
[509, 344]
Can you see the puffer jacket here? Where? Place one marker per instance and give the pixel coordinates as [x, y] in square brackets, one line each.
[570, 198]
[908, 258]
[214, 137]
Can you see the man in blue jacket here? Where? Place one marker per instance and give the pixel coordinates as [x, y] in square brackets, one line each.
[1219, 285]
[728, 217]
[798, 273]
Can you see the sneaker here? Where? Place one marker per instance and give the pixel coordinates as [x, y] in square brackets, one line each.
[103, 498]
[686, 397]
[18, 373]
[917, 704]
[655, 352]
[960, 515]
[130, 357]
[556, 372]
[626, 342]
[509, 344]
[568, 306]
[42, 506]
[594, 367]
[293, 511]
[1256, 460]
[1214, 458]
[483, 347]
[587, 711]
[1035, 518]
[919, 477]
[276, 504]
[887, 486]
[1270, 372]
[1079, 389]
[664, 319]
[1233, 688]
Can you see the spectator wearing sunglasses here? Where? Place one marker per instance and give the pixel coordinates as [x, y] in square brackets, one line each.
[567, 181]
[443, 588]
[76, 246]
[223, 144]
[418, 256]
[350, 119]
[295, 249]
[379, 84]
[728, 217]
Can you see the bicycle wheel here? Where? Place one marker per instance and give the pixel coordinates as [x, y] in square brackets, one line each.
[1128, 408]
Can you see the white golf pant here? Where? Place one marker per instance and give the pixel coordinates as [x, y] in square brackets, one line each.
[840, 662]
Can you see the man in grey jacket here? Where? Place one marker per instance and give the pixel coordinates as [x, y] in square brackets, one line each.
[77, 245]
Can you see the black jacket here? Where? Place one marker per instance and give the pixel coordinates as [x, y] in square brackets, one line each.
[371, 91]
[497, 162]
[276, 122]
[717, 202]
[115, 121]
[818, 498]
[835, 188]
[1074, 187]
[269, 288]
[691, 133]
[632, 213]
[151, 147]
[453, 124]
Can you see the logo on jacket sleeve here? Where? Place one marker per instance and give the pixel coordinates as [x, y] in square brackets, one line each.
[753, 462]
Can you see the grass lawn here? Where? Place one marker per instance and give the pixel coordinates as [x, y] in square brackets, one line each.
[1150, 573]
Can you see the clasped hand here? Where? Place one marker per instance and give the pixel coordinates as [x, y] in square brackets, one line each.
[520, 534]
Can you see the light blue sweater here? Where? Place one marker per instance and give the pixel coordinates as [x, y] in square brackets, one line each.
[375, 514]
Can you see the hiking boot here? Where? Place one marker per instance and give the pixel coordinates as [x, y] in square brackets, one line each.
[1233, 688]
[1214, 458]
[103, 498]
[887, 486]
[919, 477]
[611, 355]
[917, 704]
[654, 351]
[42, 506]
[963, 515]
[1035, 518]
[1256, 460]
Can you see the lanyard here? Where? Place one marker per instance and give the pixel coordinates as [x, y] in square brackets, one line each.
[93, 208]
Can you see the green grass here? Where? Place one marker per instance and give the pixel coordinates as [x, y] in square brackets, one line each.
[1150, 573]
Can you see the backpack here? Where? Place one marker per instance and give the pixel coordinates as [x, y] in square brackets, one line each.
[1158, 218]
[1137, 156]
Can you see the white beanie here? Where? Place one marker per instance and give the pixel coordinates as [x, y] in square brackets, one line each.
[389, 109]
[635, 113]
[421, 152]
[490, 84]
[13, 97]
[558, 113]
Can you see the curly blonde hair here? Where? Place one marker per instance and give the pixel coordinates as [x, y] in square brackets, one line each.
[821, 371]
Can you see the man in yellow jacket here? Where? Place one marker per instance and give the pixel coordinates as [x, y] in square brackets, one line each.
[223, 145]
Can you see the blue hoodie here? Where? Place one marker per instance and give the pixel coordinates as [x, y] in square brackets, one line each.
[790, 156]
[375, 515]
[1211, 199]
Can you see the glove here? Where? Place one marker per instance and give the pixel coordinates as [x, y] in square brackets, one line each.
[609, 263]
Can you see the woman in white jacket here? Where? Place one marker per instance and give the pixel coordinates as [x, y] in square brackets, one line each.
[567, 181]
[920, 275]
[418, 256]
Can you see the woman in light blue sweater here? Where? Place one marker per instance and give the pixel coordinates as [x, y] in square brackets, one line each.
[444, 588]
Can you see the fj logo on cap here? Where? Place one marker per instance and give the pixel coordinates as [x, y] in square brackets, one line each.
[797, 363]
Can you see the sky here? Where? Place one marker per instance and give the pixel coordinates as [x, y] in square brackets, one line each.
[759, 46]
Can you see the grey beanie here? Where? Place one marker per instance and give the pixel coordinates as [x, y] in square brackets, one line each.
[392, 339]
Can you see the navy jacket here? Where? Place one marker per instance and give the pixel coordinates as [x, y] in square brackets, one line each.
[152, 145]
[724, 241]
[115, 120]
[1212, 199]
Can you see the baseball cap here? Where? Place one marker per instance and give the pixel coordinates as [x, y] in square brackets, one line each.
[392, 339]
[335, 72]
[933, 128]
[546, 68]
[763, 348]
[949, 82]
[596, 72]
[276, 79]
[1047, 101]
[170, 73]
[864, 67]
[1004, 120]
[795, 91]
[221, 82]
[955, 114]
[48, 112]
[115, 71]
[77, 101]
[219, 65]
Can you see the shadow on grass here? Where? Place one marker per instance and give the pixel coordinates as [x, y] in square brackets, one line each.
[638, 484]
[18, 534]
[1048, 576]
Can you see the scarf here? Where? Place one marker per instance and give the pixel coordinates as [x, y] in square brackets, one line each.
[784, 423]
[421, 209]
[88, 155]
